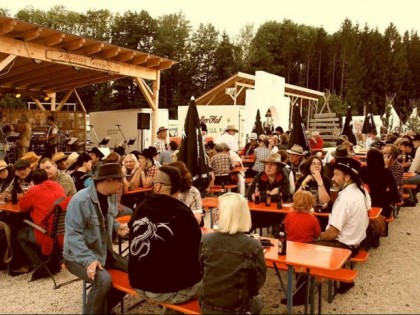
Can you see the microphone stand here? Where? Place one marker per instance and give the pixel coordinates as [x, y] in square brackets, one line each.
[94, 132]
[125, 140]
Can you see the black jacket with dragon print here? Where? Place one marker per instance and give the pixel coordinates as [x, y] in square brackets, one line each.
[164, 246]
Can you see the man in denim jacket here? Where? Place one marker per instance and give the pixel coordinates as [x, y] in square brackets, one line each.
[90, 221]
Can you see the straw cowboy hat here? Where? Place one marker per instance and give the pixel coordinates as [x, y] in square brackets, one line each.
[32, 158]
[109, 171]
[161, 129]
[59, 156]
[296, 150]
[71, 159]
[3, 165]
[274, 158]
[231, 128]
[341, 152]
[253, 136]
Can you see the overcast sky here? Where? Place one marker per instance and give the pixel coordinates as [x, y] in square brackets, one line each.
[231, 15]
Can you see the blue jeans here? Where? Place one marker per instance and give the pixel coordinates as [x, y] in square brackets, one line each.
[102, 297]
[27, 241]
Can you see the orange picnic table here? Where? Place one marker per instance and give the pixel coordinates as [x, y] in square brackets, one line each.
[310, 256]
[9, 207]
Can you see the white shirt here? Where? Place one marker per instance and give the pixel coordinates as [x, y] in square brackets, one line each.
[415, 165]
[350, 215]
[229, 140]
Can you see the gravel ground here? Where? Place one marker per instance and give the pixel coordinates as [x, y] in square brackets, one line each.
[387, 284]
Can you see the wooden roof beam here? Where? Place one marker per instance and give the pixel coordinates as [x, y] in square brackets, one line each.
[46, 77]
[29, 35]
[78, 84]
[90, 50]
[139, 59]
[165, 65]
[38, 103]
[6, 61]
[109, 53]
[7, 27]
[147, 92]
[36, 51]
[54, 39]
[76, 44]
[153, 62]
[19, 72]
[125, 56]
[64, 100]
[73, 82]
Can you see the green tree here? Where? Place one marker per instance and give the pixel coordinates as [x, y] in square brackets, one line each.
[204, 43]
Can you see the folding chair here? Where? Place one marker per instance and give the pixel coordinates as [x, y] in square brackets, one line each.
[121, 251]
[56, 232]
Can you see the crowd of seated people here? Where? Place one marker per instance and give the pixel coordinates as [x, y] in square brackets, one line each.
[340, 183]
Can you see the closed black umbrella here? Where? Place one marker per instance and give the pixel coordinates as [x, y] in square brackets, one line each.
[348, 127]
[368, 123]
[192, 151]
[258, 128]
[298, 132]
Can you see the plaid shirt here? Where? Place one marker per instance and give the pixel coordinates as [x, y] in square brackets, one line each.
[192, 198]
[260, 155]
[160, 145]
[151, 171]
[221, 163]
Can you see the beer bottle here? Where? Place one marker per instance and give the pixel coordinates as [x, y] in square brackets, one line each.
[283, 239]
[279, 200]
[257, 194]
[14, 196]
[268, 199]
[223, 190]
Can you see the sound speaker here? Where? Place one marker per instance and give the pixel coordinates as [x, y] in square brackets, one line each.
[143, 121]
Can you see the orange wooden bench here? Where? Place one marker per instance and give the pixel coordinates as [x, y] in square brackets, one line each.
[361, 257]
[218, 188]
[332, 276]
[120, 282]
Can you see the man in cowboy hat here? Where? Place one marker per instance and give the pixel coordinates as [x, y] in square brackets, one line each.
[163, 226]
[349, 219]
[296, 160]
[60, 159]
[90, 222]
[97, 157]
[161, 142]
[229, 137]
[23, 176]
[340, 152]
[32, 158]
[272, 181]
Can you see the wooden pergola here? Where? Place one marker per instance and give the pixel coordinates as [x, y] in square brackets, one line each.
[232, 91]
[38, 62]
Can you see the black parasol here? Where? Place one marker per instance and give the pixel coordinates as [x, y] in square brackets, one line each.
[348, 127]
[298, 132]
[258, 128]
[192, 151]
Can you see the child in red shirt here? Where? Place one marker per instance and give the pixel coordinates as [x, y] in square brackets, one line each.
[301, 225]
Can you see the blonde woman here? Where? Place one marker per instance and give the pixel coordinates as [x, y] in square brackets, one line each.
[130, 165]
[25, 129]
[147, 170]
[233, 263]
